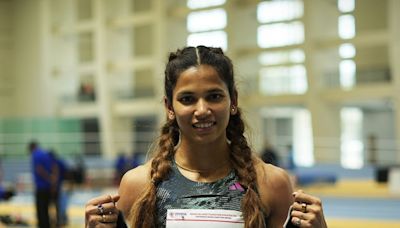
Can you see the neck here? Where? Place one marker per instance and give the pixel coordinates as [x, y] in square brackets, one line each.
[223, 166]
[202, 157]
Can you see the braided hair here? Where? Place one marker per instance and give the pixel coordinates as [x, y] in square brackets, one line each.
[143, 212]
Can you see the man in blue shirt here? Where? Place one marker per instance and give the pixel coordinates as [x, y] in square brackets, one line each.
[45, 181]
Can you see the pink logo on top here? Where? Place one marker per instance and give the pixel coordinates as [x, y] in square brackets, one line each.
[236, 186]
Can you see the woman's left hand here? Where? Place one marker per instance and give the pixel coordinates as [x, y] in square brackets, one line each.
[307, 211]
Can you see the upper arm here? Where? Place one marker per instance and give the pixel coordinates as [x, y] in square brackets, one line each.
[276, 193]
[131, 187]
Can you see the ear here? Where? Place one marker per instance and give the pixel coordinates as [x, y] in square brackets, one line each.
[169, 109]
[234, 105]
[233, 110]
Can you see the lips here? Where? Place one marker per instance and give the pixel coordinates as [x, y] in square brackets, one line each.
[203, 125]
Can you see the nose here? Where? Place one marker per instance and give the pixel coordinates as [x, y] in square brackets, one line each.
[202, 109]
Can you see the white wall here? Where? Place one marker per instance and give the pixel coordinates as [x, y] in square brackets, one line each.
[32, 97]
[6, 48]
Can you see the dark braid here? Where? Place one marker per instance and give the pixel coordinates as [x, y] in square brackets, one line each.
[143, 212]
[243, 163]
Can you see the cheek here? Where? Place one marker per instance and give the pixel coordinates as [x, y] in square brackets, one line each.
[183, 116]
[224, 113]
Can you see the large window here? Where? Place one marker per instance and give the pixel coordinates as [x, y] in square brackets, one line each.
[351, 139]
[206, 23]
[347, 51]
[280, 34]
[283, 71]
[283, 79]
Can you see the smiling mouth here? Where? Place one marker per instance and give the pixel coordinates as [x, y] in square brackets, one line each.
[203, 125]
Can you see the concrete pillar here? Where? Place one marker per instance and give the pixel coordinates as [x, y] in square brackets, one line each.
[103, 91]
[325, 117]
[394, 56]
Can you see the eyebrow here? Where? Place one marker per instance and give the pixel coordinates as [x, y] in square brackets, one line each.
[183, 93]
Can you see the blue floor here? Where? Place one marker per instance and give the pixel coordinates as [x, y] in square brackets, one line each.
[362, 208]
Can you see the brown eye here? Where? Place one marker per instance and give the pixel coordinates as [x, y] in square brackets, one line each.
[215, 97]
[186, 100]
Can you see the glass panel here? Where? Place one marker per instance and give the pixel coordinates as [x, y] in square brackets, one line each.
[347, 69]
[141, 6]
[213, 39]
[273, 11]
[347, 27]
[351, 142]
[346, 6]
[143, 40]
[143, 83]
[144, 133]
[206, 20]
[122, 86]
[347, 51]
[196, 4]
[280, 80]
[302, 138]
[84, 8]
[281, 57]
[85, 47]
[280, 34]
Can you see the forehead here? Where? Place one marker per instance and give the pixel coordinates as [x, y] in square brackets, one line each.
[199, 77]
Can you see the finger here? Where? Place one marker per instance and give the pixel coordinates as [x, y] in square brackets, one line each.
[300, 196]
[302, 215]
[110, 208]
[106, 218]
[303, 207]
[296, 221]
[106, 208]
[100, 200]
[115, 198]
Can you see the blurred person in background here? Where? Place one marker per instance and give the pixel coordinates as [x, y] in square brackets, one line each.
[136, 160]
[269, 155]
[121, 165]
[79, 171]
[60, 198]
[203, 160]
[45, 176]
[6, 192]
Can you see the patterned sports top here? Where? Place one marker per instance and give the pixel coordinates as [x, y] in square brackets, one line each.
[178, 192]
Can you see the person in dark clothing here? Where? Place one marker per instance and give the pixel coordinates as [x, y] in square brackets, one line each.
[79, 172]
[59, 196]
[45, 182]
[269, 155]
[120, 166]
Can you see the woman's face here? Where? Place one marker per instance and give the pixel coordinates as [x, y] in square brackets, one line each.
[201, 105]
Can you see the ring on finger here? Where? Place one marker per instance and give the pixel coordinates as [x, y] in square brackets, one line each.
[103, 218]
[304, 207]
[100, 209]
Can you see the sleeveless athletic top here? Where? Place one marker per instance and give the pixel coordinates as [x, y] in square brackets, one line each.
[178, 192]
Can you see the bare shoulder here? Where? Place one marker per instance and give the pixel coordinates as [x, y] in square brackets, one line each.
[132, 185]
[275, 189]
[272, 176]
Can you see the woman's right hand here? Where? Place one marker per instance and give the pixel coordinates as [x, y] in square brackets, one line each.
[101, 212]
